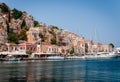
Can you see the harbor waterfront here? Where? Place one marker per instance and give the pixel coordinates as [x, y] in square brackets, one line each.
[46, 48]
[68, 70]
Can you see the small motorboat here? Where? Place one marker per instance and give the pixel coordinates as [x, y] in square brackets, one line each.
[12, 58]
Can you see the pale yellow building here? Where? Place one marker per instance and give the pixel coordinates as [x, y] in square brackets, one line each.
[47, 48]
[33, 35]
[107, 48]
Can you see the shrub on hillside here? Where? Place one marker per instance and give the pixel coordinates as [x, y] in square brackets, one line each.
[36, 23]
[12, 37]
[16, 13]
[53, 41]
[4, 8]
[22, 35]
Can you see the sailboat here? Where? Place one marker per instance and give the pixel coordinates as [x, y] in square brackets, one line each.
[97, 53]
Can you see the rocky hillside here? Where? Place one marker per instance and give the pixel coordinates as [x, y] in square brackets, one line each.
[15, 23]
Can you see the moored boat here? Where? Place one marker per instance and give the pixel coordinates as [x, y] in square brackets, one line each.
[13, 59]
[75, 57]
[55, 57]
[115, 53]
[99, 55]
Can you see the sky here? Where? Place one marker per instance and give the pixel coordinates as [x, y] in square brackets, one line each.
[98, 20]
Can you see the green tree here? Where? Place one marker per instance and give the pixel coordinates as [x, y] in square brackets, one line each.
[52, 32]
[111, 44]
[55, 27]
[41, 35]
[29, 52]
[7, 26]
[22, 35]
[16, 13]
[12, 37]
[23, 25]
[36, 23]
[53, 41]
[4, 8]
[71, 51]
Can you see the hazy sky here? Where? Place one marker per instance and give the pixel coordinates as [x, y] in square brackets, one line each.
[98, 20]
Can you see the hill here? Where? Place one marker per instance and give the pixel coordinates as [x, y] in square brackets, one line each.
[15, 23]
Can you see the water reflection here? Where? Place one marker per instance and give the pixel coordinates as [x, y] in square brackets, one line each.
[60, 71]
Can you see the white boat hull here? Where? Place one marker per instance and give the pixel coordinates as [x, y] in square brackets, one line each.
[13, 59]
[55, 57]
[75, 57]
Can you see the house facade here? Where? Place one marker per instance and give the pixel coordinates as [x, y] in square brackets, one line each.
[47, 48]
[80, 46]
[96, 47]
[107, 48]
[89, 44]
[12, 47]
[25, 46]
[33, 35]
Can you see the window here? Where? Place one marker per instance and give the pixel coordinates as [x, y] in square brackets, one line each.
[21, 48]
[49, 49]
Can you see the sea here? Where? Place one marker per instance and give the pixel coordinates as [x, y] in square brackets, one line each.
[68, 70]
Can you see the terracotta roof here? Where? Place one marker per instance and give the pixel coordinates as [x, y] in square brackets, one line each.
[25, 43]
[48, 45]
[105, 44]
[11, 44]
[88, 40]
[96, 43]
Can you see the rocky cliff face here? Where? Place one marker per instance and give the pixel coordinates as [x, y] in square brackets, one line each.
[3, 29]
[3, 33]
[8, 21]
[16, 24]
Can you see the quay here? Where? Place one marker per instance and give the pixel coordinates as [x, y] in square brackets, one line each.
[25, 59]
[42, 58]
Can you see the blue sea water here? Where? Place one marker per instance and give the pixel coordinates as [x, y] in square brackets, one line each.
[91, 70]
